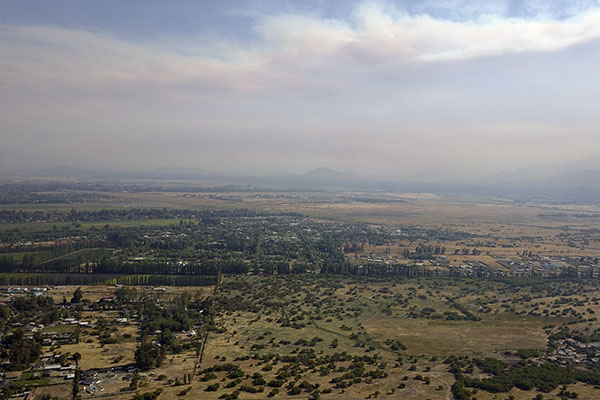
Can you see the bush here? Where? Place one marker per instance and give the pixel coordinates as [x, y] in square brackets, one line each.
[212, 388]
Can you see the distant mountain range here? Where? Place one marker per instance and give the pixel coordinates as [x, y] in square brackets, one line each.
[552, 170]
[324, 173]
[322, 177]
[570, 181]
[577, 181]
[578, 186]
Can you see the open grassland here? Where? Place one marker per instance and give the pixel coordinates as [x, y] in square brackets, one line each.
[98, 355]
[475, 338]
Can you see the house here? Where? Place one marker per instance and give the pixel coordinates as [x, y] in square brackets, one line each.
[30, 328]
[49, 338]
[109, 297]
[16, 290]
[89, 381]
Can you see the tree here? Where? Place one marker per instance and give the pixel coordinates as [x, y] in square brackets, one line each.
[77, 296]
[125, 294]
[148, 355]
[134, 382]
[22, 351]
[76, 383]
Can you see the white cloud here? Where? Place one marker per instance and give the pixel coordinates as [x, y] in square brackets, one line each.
[389, 36]
[293, 49]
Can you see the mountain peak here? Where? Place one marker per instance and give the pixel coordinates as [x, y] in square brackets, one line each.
[329, 173]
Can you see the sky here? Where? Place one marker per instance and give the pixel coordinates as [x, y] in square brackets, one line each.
[266, 87]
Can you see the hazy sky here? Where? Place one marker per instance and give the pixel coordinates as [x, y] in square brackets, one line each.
[285, 86]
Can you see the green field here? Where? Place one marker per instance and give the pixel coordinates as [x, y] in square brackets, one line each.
[39, 255]
[60, 328]
[47, 226]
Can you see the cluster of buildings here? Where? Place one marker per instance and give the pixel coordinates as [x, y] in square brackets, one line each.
[571, 351]
[51, 367]
[15, 290]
